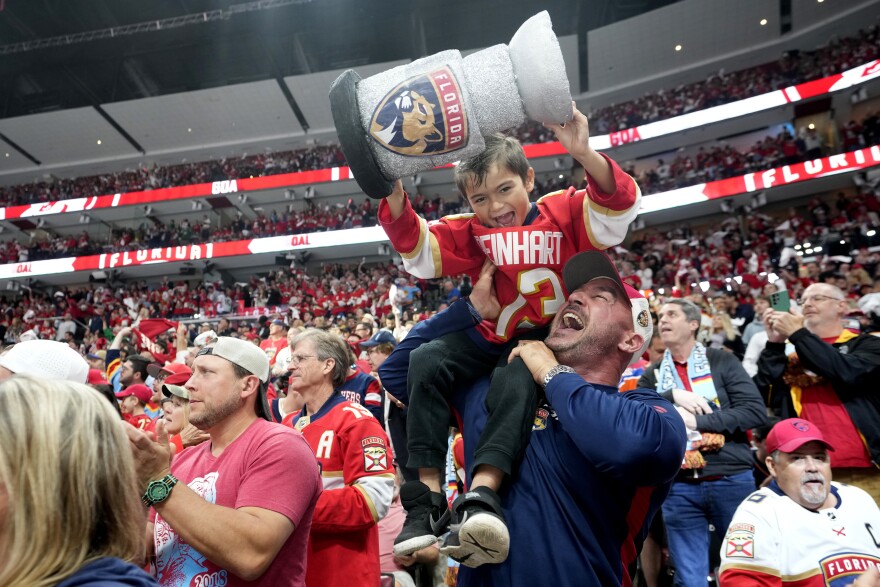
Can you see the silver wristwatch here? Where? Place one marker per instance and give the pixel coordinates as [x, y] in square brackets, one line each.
[556, 371]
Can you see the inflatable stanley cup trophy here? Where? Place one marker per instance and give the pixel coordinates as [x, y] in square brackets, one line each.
[436, 110]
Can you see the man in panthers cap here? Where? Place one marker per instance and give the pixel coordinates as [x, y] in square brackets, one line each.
[598, 463]
[803, 528]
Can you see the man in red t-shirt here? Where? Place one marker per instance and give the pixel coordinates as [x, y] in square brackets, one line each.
[830, 380]
[237, 510]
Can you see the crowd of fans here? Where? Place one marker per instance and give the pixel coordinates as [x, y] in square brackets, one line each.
[155, 177]
[794, 67]
[728, 269]
[751, 247]
[706, 164]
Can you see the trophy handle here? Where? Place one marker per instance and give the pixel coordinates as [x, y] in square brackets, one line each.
[346, 118]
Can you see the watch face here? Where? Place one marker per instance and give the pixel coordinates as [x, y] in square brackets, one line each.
[158, 491]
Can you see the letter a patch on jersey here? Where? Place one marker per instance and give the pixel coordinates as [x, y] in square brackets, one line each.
[375, 455]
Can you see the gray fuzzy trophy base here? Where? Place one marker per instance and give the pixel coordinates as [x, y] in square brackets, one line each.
[436, 110]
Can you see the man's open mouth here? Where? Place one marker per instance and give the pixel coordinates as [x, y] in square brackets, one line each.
[572, 321]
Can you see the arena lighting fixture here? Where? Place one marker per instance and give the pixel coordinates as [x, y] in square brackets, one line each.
[817, 249]
[843, 242]
[871, 232]
[763, 22]
[189, 130]
[807, 245]
[99, 141]
[797, 247]
[809, 251]
[678, 47]
[7, 154]
[811, 126]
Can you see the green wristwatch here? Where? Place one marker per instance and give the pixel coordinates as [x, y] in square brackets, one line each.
[159, 490]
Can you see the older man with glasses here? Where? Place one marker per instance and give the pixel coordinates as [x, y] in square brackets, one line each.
[831, 380]
[355, 463]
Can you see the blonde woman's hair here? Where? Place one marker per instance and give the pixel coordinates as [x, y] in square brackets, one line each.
[68, 477]
[730, 331]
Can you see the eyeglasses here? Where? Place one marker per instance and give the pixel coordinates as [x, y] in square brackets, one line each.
[816, 299]
[297, 359]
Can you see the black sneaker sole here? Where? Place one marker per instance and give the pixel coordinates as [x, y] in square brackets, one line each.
[414, 544]
[482, 539]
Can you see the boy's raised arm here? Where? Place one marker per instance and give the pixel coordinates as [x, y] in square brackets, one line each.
[575, 137]
[396, 200]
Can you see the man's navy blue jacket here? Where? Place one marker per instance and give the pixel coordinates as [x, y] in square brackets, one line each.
[597, 468]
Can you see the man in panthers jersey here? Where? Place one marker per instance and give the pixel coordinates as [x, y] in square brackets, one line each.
[355, 460]
[803, 529]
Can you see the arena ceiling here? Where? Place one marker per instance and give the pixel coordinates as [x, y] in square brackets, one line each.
[65, 54]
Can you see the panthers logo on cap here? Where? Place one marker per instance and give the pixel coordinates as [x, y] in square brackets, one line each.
[801, 425]
[424, 115]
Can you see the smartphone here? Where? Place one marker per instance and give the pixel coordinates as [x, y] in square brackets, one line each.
[780, 301]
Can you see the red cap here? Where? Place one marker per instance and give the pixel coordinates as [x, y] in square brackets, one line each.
[97, 377]
[139, 390]
[792, 434]
[176, 373]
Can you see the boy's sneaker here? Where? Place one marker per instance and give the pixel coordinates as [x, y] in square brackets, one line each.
[427, 517]
[479, 534]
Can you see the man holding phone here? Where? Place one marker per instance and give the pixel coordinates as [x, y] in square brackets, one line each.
[780, 301]
[831, 380]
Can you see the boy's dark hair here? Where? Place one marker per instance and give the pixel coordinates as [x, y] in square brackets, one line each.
[500, 149]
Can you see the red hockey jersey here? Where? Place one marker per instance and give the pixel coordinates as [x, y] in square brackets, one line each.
[529, 258]
[356, 467]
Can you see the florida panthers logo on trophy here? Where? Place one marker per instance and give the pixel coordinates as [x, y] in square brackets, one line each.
[424, 115]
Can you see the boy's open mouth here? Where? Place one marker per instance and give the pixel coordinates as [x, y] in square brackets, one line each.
[505, 219]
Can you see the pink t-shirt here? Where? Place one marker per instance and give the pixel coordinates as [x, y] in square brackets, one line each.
[389, 528]
[269, 466]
